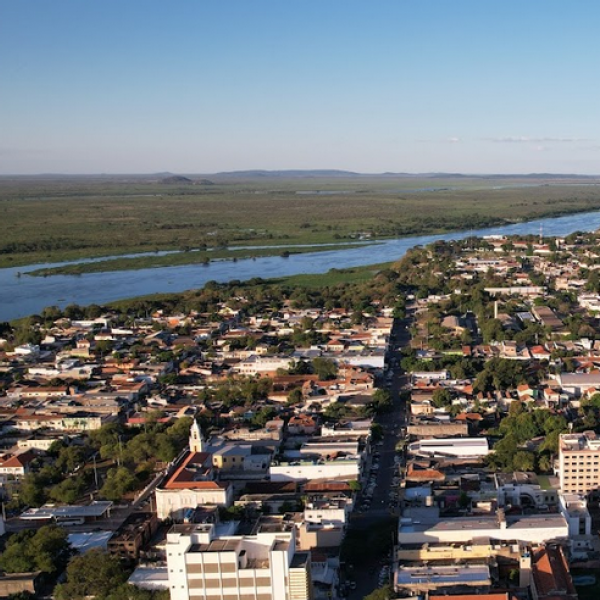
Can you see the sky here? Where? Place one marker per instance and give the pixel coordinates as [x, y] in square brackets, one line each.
[146, 86]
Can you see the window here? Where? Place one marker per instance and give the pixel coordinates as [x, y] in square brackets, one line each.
[227, 567]
[194, 568]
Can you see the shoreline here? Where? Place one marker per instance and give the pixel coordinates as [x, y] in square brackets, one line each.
[167, 257]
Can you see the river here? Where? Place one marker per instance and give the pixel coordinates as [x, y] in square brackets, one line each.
[25, 295]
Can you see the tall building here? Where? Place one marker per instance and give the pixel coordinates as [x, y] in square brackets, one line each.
[204, 564]
[579, 463]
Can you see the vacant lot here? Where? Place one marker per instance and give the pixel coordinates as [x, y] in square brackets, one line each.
[59, 219]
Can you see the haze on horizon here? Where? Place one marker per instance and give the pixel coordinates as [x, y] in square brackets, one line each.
[503, 86]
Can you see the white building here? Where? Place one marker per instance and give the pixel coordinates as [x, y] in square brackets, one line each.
[347, 467]
[257, 365]
[578, 384]
[574, 509]
[205, 565]
[528, 528]
[191, 482]
[450, 447]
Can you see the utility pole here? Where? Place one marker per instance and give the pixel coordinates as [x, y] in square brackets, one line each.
[95, 470]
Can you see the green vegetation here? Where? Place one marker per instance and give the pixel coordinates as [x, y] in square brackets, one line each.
[128, 458]
[71, 218]
[511, 453]
[383, 593]
[99, 575]
[203, 257]
[46, 550]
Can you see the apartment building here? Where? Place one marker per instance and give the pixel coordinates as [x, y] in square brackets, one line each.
[204, 564]
[579, 463]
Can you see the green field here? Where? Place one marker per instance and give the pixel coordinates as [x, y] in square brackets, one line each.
[56, 219]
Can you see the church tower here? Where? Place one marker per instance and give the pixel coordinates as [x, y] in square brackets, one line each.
[196, 441]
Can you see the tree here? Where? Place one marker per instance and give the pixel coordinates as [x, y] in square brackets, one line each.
[382, 593]
[523, 461]
[376, 432]
[127, 591]
[21, 596]
[593, 402]
[32, 491]
[118, 482]
[382, 401]
[46, 550]
[95, 573]
[354, 485]
[69, 458]
[442, 398]
[492, 331]
[295, 397]
[68, 491]
[263, 415]
[325, 368]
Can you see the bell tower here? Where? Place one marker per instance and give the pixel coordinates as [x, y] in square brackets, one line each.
[196, 441]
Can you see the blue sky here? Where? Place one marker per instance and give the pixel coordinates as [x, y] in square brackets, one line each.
[143, 86]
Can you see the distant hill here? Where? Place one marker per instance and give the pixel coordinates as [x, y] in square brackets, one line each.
[340, 174]
[289, 173]
[176, 179]
[257, 174]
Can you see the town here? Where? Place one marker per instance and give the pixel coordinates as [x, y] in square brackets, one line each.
[431, 432]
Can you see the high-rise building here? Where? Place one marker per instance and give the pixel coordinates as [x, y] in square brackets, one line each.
[579, 463]
[209, 562]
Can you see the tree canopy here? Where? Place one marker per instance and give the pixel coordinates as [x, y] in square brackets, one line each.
[45, 550]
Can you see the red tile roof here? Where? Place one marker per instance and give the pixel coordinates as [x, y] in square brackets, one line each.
[551, 574]
[186, 476]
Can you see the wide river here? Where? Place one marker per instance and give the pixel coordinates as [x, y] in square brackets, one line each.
[25, 295]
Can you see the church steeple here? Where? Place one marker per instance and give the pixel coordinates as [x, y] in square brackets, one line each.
[196, 441]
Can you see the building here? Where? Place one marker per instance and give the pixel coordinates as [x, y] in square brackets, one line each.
[551, 576]
[191, 482]
[323, 524]
[422, 579]
[133, 534]
[69, 514]
[523, 528]
[578, 384]
[574, 509]
[17, 464]
[579, 463]
[347, 467]
[207, 565]
[450, 447]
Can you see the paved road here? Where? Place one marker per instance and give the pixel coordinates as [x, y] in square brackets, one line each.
[366, 574]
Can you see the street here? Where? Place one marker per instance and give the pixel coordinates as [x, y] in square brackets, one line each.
[370, 573]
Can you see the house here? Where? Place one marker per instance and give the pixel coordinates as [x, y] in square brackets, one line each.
[302, 425]
[17, 464]
[551, 575]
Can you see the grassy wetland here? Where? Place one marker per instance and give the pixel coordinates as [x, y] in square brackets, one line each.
[57, 219]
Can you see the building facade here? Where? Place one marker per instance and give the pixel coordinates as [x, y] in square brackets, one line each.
[579, 463]
[206, 565]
